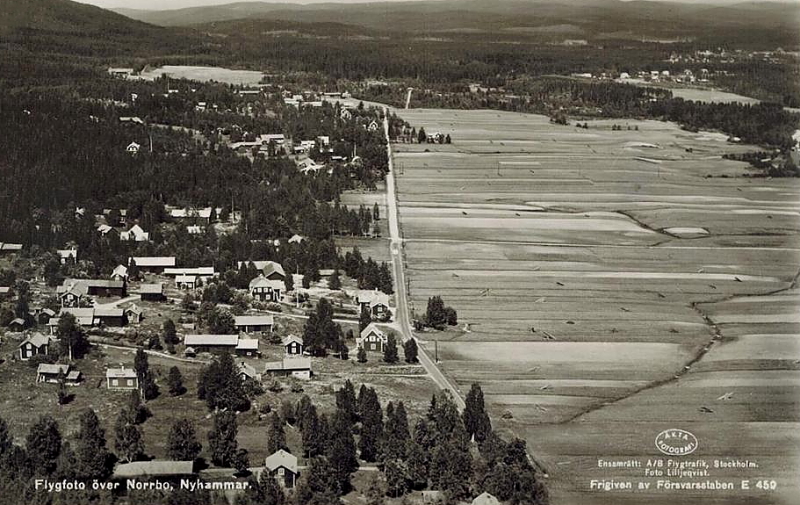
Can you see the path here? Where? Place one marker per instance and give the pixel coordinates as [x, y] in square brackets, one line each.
[402, 319]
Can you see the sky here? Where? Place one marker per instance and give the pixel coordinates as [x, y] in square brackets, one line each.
[178, 4]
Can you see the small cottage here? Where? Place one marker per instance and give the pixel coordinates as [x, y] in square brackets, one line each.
[122, 378]
[254, 324]
[282, 466]
[372, 339]
[293, 345]
[36, 344]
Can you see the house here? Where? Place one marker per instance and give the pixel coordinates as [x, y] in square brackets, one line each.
[152, 292]
[186, 281]
[42, 316]
[203, 273]
[254, 324]
[296, 239]
[73, 291]
[282, 466]
[485, 499]
[35, 344]
[248, 372]
[160, 469]
[105, 230]
[299, 368]
[122, 378]
[135, 234]
[133, 314]
[132, 120]
[109, 316]
[83, 316]
[266, 290]
[247, 347]
[124, 73]
[271, 270]
[211, 343]
[309, 166]
[5, 292]
[194, 229]
[373, 126]
[372, 339]
[375, 301]
[154, 264]
[120, 273]
[50, 373]
[5, 247]
[278, 138]
[68, 255]
[133, 148]
[17, 324]
[201, 215]
[293, 345]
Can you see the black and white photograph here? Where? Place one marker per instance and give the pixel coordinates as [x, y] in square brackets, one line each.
[400, 252]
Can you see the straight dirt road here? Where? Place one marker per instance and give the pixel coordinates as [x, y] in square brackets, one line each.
[402, 319]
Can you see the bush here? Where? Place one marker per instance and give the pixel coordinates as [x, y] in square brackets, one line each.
[40, 359]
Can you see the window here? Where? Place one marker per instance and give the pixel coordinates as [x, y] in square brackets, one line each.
[280, 472]
[130, 382]
[114, 382]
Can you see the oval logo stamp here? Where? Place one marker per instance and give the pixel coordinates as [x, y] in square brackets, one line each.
[676, 442]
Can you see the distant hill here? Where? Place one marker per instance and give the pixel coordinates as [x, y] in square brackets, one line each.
[656, 18]
[66, 27]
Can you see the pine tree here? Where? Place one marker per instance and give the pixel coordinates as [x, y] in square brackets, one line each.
[6, 442]
[222, 439]
[361, 356]
[221, 387]
[342, 449]
[169, 332]
[314, 439]
[334, 282]
[72, 338]
[371, 425]
[364, 319]
[390, 350]
[43, 445]
[276, 437]
[92, 456]
[320, 484]
[476, 420]
[263, 491]
[128, 441]
[182, 443]
[396, 478]
[417, 465]
[137, 411]
[396, 433]
[435, 315]
[346, 401]
[410, 350]
[376, 212]
[175, 381]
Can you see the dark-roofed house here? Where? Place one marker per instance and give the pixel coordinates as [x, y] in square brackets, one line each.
[254, 324]
[161, 469]
[266, 290]
[68, 255]
[283, 467]
[5, 292]
[154, 264]
[50, 373]
[293, 345]
[122, 378]
[36, 344]
[211, 343]
[299, 368]
[372, 339]
[152, 292]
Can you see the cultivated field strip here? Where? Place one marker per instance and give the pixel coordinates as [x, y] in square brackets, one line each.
[613, 284]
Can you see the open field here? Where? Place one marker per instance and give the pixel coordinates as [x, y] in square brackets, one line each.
[218, 74]
[614, 284]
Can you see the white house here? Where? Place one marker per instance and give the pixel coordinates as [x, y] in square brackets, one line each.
[133, 148]
[283, 467]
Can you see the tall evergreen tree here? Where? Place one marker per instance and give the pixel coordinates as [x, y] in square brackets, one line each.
[390, 349]
[43, 445]
[182, 443]
[175, 381]
[222, 439]
[92, 456]
[276, 436]
[346, 401]
[476, 420]
[128, 441]
[371, 424]
[342, 449]
[410, 350]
